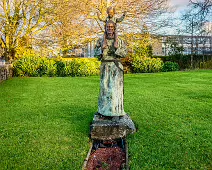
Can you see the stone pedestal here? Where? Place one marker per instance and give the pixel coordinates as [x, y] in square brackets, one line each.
[111, 128]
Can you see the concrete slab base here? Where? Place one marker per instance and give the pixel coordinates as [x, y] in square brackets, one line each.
[111, 128]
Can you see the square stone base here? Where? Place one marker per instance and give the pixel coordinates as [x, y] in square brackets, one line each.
[111, 128]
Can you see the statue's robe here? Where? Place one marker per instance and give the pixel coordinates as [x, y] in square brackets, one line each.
[111, 97]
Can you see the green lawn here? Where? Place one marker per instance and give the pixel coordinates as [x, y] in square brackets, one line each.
[44, 122]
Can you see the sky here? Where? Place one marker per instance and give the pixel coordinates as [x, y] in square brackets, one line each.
[179, 4]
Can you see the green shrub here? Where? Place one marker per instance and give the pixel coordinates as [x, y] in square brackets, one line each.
[206, 65]
[47, 67]
[170, 66]
[82, 67]
[60, 65]
[141, 64]
[184, 61]
[35, 66]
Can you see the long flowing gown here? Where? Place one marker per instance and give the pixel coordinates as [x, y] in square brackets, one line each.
[111, 95]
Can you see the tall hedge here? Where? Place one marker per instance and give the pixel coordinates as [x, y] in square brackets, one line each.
[35, 66]
[139, 64]
[184, 61]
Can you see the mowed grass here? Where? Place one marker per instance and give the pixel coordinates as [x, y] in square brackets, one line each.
[44, 122]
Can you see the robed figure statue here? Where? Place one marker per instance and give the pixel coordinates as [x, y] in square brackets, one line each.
[111, 97]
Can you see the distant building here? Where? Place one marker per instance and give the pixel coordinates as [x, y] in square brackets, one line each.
[86, 50]
[201, 44]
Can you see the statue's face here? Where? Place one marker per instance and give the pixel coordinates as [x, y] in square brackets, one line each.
[110, 29]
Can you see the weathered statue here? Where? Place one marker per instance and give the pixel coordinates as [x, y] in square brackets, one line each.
[111, 79]
[111, 122]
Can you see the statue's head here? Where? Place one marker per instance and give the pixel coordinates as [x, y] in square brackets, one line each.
[110, 29]
[110, 12]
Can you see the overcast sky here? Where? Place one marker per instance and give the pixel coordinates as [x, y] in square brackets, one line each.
[179, 4]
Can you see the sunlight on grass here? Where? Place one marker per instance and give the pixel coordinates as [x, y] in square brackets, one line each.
[44, 122]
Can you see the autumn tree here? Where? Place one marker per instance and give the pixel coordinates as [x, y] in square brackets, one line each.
[77, 21]
[72, 26]
[65, 23]
[20, 20]
[141, 21]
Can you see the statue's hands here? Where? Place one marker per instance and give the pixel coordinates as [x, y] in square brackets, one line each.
[104, 46]
[116, 44]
